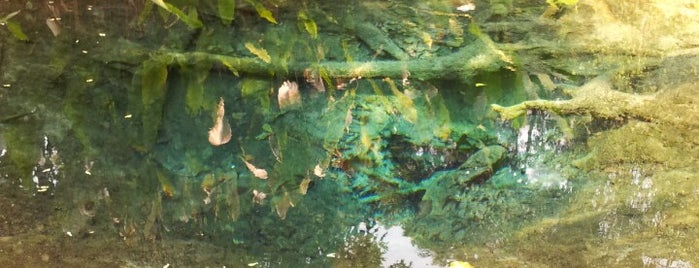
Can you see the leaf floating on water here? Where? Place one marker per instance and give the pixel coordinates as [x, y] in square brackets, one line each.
[259, 52]
[257, 172]
[221, 132]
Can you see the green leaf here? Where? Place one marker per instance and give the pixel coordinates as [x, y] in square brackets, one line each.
[16, 31]
[14, 28]
[192, 20]
[226, 11]
[262, 11]
[267, 127]
[309, 24]
[153, 82]
[259, 52]
[195, 87]
[256, 89]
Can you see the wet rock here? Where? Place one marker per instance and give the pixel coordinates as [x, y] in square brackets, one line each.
[481, 164]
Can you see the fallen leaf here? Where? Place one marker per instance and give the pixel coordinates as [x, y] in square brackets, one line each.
[257, 172]
[303, 187]
[258, 196]
[318, 171]
[221, 132]
[259, 52]
[288, 95]
[283, 205]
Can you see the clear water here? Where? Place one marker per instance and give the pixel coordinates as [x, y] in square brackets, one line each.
[113, 150]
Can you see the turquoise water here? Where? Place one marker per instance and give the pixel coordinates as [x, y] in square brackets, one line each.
[353, 134]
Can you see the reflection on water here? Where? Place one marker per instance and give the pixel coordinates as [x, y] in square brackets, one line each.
[354, 134]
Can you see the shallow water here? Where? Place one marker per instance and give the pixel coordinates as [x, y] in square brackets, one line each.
[114, 149]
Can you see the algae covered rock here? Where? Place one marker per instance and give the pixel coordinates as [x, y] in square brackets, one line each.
[482, 163]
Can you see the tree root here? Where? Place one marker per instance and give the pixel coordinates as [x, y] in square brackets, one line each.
[596, 98]
[671, 107]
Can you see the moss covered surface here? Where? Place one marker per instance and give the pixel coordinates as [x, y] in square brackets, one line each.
[598, 168]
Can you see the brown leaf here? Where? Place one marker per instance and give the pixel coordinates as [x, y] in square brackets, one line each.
[283, 205]
[303, 187]
[318, 171]
[288, 95]
[258, 196]
[257, 172]
[221, 132]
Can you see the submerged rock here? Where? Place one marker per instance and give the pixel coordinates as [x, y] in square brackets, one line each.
[481, 164]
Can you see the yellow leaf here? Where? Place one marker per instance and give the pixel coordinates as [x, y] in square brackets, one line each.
[309, 24]
[259, 52]
[303, 187]
[283, 205]
[460, 264]
[405, 104]
[262, 11]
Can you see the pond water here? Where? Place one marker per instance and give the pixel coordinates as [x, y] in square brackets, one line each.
[273, 133]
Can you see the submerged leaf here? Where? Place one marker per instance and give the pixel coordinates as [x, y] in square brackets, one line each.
[405, 104]
[221, 132]
[262, 11]
[16, 31]
[283, 205]
[309, 24]
[258, 197]
[191, 19]
[226, 11]
[257, 172]
[288, 95]
[318, 171]
[259, 52]
[152, 78]
[303, 187]
[195, 86]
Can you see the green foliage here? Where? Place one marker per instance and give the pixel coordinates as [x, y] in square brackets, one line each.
[191, 19]
[308, 24]
[151, 78]
[259, 52]
[13, 27]
[195, 76]
[262, 11]
[226, 11]
[257, 89]
[16, 31]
